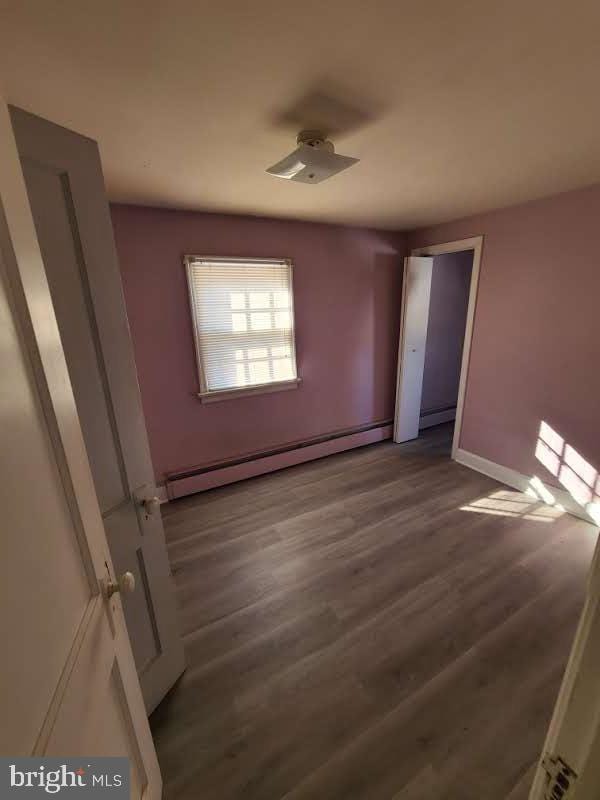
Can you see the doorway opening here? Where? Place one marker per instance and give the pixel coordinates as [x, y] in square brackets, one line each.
[439, 293]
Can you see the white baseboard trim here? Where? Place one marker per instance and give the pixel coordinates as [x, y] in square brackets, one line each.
[517, 480]
[429, 420]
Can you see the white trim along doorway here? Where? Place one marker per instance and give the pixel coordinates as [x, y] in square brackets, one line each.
[415, 300]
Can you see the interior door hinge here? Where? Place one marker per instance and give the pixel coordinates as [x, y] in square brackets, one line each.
[560, 778]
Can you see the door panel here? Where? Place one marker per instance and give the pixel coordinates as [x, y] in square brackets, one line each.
[416, 293]
[66, 192]
[103, 724]
[51, 205]
[140, 615]
[40, 525]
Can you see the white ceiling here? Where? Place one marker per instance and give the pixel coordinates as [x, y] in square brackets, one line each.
[453, 107]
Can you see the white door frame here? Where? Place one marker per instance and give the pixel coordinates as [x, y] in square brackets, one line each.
[474, 243]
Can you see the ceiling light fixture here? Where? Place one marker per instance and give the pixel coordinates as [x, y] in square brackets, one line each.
[313, 161]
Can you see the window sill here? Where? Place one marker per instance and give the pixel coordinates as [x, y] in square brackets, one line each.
[263, 388]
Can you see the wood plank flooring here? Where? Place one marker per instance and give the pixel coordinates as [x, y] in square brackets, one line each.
[382, 624]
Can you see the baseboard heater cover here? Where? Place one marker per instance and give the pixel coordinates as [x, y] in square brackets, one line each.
[436, 416]
[180, 484]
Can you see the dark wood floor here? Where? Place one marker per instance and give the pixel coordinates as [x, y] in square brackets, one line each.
[372, 625]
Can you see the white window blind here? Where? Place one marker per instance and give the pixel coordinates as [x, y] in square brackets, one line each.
[244, 322]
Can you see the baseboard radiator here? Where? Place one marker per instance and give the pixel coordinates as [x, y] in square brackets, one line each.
[199, 479]
[436, 416]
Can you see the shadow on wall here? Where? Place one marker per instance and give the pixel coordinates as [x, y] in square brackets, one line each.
[387, 296]
[449, 301]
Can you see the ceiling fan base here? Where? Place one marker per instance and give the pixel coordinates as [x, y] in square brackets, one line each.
[315, 139]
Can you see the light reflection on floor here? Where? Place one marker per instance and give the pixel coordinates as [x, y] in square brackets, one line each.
[507, 503]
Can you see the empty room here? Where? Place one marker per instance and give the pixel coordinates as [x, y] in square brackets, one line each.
[300, 442]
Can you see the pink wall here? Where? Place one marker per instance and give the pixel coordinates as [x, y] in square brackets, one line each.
[535, 345]
[347, 287]
[450, 284]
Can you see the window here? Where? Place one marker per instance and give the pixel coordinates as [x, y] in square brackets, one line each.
[243, 316]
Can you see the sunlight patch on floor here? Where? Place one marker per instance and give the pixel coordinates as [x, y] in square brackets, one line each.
[507, 503]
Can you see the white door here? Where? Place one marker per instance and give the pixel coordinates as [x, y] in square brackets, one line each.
[570, 759]
[68, 684]
[416, 294]
[65, 186]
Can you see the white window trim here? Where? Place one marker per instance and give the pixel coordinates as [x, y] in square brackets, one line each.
[204, 394]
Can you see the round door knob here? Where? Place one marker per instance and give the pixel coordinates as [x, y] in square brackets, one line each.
[125, 583]
[151, 504]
